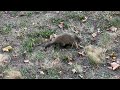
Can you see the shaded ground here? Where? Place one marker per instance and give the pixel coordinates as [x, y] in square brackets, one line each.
[23, 30]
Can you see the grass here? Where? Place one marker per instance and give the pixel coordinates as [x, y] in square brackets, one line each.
[28, 45]
[75, 16]
[13, 13]
[39, 55]
[29, 14]
[56, 21]
[52, 74]
[115, 21]
[23, 23]
[6, 29]
[104, 40]
[28, 72]
[35, 37]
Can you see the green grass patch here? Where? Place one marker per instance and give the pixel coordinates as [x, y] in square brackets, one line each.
[51, 74]
[115, 21]
[6, 29]
[38, 55]
[104, 40]
[56, 21]
[28, 72]
[75, 16]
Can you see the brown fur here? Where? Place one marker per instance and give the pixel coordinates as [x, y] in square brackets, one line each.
[64, 39]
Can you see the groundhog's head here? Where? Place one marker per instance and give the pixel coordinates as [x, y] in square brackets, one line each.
[78, 39]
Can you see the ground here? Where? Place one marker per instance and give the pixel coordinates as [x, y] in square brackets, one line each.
[23, 30]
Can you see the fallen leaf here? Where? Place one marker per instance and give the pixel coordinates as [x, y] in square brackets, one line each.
[70, 63]
[94, 34]
[114, 65]
[113, 58]
[113, 55]
[33, 23]
[84, 19]
[107, 57]
[109, 68]
[57, 11]
[7, 49]
[114, 29]
[74, 71]
[61, 25]
[41, 72]
[26, 61]
[25, 28]
[60, 72]
[81, 53]
[70, 58]
[98, 30]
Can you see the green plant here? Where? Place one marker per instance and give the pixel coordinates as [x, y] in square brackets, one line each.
[115, 21]
[28, 72]
[56, 21]
[39, 55]
[28, 44]
[52, 74]
[5, 29]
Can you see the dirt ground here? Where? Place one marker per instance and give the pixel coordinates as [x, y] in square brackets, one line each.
[22, 30]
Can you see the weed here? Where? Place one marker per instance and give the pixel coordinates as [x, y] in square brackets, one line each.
[39, 55]
[115, 21]
[28, 44]
[29, 14]
[52, 74]
[46, 33]
[13, 13]
[5, 29]
[56, 21]
[75, 16]
[28, 73]
[104, 40]
[23, 23]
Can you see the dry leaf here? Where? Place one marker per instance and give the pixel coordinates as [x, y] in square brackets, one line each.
[98, 30]
[109, 68]
[41, 72]
[107, 57]
[84, 19]
[7, 49]
[70, 63]
[113, 55]
[81, 53]
[113, 58]
[57, 11]
[70, 58]
[33, 23]
[74, 70]
[94, 34]
[60, 72]
[25, 28]
[61, 25]
[26, 61]
[114, 29]
[114, 65]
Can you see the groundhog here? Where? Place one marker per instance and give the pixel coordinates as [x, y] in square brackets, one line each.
[64, 39]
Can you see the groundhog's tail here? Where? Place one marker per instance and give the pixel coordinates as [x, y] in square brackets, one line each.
[49, 44]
